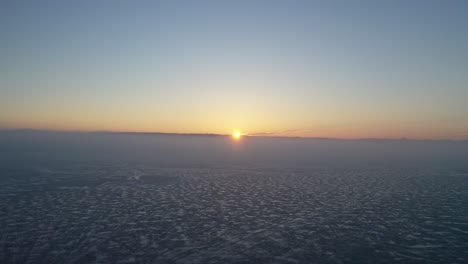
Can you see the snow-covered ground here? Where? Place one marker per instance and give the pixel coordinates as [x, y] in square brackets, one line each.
[233, 214]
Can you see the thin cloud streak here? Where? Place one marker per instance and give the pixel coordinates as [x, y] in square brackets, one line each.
[274, 132]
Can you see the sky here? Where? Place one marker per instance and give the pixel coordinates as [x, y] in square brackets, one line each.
[345, 69]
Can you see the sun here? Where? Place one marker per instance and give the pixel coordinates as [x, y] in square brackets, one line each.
[236, 134]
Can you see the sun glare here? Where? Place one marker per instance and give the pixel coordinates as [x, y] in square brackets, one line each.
[236, 134]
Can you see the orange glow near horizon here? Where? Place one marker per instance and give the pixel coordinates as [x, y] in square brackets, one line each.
[221, 122]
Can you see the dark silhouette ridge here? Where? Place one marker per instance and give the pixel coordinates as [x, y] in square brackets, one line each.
[106, 132]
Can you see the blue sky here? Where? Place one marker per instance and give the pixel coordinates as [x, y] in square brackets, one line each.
[320, 68]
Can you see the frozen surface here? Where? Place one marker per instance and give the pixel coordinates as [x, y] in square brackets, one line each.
[100, 212]
[229, 215]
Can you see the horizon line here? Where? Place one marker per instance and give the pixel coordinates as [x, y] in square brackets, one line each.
[222, 135]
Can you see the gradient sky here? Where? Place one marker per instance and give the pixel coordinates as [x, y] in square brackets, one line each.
[347, 69]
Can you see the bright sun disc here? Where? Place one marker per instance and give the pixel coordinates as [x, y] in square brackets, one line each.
[236, 134]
